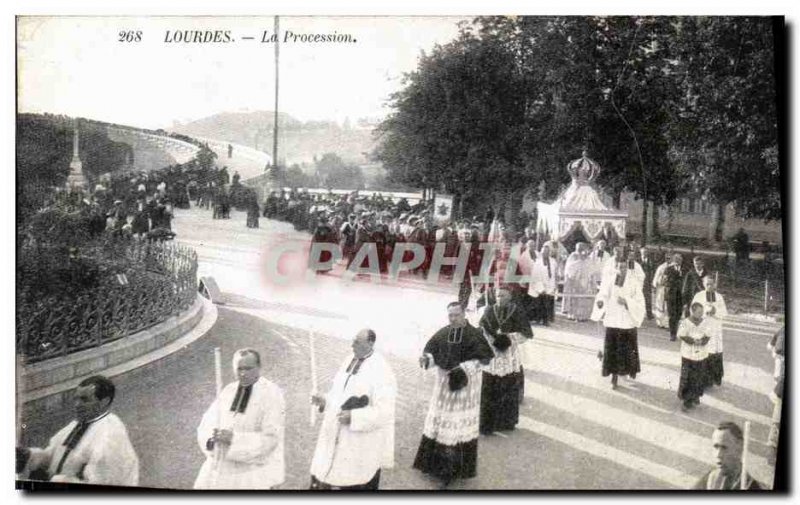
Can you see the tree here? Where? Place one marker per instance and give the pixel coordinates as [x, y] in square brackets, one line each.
[458, 122]
[205, 157]
[336, 174]
[666, 105]
[728, 129]
[296, 178]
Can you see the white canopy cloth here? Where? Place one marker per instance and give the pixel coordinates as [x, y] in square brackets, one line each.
[581, 206]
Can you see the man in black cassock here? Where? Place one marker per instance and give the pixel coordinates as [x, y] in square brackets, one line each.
[505, 326]
[455, 353]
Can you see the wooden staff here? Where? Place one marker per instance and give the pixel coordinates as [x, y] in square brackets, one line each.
[745, 456]
[313, 362]
[472, 304]
[220, 410]
[496, 282]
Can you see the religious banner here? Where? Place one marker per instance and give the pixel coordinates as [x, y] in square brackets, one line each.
[442, 208]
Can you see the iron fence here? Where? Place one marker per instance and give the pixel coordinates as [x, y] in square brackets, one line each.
[159, 281]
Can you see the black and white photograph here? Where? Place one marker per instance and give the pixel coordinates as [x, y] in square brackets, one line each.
[400, 253]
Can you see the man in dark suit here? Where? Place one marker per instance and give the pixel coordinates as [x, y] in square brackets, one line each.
[649, 268]
[673, 294]
[693, 283]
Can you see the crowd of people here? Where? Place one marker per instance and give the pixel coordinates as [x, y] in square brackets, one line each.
[141, 205]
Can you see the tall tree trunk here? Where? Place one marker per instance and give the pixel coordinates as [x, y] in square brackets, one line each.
[645, 204]
[512, 205]
[653, 229]
[458, 206]
[616, 200]
[717, 225]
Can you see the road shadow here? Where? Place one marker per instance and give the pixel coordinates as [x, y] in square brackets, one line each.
[236, 301]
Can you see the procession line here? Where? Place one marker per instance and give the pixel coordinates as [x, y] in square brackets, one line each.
[743, 376]
[655, 376]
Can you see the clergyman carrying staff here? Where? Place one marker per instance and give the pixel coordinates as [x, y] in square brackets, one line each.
[246, 421]
[356, 439]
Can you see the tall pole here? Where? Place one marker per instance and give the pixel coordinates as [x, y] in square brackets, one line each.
[275, 127]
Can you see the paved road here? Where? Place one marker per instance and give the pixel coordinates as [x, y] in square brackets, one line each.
[575, 432]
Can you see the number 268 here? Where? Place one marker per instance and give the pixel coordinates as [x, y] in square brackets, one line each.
[130, 36]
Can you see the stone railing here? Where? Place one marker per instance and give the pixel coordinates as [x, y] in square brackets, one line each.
[160, 281]
[180, 150]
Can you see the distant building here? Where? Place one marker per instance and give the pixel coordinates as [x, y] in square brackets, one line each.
[695, 217]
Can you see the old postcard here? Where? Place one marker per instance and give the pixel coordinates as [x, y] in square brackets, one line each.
[400, 253]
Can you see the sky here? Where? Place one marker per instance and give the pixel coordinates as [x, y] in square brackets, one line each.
[76, 65]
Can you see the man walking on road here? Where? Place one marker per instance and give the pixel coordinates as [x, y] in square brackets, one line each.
[620, 305]
[356, 439]
[92, 449]
[449, 446]
[673, 295]
[715, 311]
[506, 327]
[543, 284]
[694, 332]
[649, 268]
[693, 283]
[246, 424]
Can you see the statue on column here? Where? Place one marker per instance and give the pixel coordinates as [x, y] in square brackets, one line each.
[76, 179]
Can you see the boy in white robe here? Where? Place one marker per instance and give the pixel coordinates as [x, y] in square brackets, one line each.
[356, 438]
[715, 311]
[247, 422]
[693, 332]
[92, 449]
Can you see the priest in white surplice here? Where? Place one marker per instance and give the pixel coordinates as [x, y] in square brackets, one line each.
[620, 305]
[356, 439]
[94, 448]
[250, 434]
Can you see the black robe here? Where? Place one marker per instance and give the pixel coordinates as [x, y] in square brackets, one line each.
[692, 284]
[433, 456]
[449, 355]
[501, 395]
